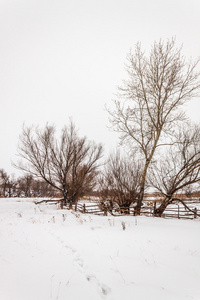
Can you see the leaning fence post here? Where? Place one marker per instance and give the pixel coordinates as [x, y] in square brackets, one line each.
[178, 212]
[84, 208]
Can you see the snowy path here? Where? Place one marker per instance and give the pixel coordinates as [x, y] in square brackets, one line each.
[49, 254]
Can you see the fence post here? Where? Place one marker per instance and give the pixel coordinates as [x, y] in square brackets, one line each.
[154, 208]
[61, 204]
[84, 208]
[195, 212]
[178, 212]
[105, 211]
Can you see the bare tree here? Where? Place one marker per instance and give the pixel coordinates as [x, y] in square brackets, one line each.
[179, 169]
[150, 100]
[119, 182]
[7, 183]
[68, 164]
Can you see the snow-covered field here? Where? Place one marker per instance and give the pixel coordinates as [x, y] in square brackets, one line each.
[49, 254]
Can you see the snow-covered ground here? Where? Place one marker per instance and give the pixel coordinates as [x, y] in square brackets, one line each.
[49, 254]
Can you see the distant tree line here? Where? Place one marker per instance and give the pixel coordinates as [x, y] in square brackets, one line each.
[24, 186]
[162, 147]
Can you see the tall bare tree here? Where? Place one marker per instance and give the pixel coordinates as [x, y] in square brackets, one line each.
[68, 164]
[179, 169]
[150, 99]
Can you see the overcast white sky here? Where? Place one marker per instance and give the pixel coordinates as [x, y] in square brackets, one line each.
[64, 58]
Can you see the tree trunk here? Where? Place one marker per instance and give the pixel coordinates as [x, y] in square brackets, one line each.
[142, 185]
[144, 174]
[70, 203]
[160, 210]
[64, 200]
[139, 201]
[4, 191]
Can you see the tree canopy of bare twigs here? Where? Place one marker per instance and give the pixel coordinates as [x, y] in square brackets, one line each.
[179, 169]
[119, 182]
[68, 164]
[149, 101]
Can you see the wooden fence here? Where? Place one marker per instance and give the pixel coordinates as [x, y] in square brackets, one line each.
[172, 212]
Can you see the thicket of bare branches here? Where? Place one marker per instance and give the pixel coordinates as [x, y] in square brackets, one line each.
[148, 107]
[119, 182]
[68, 164]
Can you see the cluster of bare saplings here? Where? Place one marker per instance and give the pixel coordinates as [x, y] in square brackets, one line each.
[162, 146]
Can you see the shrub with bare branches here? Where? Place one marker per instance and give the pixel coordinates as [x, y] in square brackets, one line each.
[119, 183]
